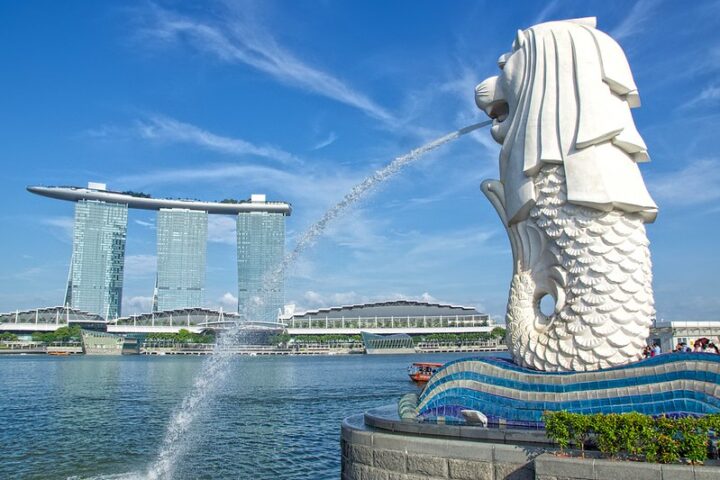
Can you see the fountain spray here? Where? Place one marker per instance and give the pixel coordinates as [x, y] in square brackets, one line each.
[216, 367]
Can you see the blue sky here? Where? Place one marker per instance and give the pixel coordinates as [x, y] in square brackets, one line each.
[302, 100]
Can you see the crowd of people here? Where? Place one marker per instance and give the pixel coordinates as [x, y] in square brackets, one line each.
[699, 345]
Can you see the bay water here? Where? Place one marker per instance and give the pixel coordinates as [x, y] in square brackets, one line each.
[105, 417]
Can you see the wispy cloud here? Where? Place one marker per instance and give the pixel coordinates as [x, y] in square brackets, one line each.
[295, 185]
[458, 241]
[695, 184]
[635, 21]
[545, 13]
[143, 223]
[61, 227]
[166, 129]
[141, 265]
[30, 273]
[222, 229]
[238, 39]
[330, 139]
[710, 95]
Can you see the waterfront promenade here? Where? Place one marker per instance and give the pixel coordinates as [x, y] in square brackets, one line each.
[27, 348]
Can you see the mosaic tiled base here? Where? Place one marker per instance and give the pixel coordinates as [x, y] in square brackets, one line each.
[674, 384]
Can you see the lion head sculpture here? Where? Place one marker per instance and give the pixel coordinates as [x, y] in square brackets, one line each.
[564, 97]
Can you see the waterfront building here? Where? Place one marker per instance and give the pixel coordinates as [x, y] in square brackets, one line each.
[260, 252]
[385, 344]
[181, 253]
[396, 316]
[101, 343]
[49, 319]
[669, 334]
[197, 320]
[95, 280]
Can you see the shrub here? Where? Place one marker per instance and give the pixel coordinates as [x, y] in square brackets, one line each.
[556, 426]
[635, 435]
[606, 431]
[694, 439]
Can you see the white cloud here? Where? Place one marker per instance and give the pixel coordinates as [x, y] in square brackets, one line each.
[312, 300]
[143, 223]
[135, 305]
[709, 94]
[240, 40]
[228, 302]
[357, 230]
[30, 273]
[62, 227]
[544, 14]
[299, 184]
[330, 139]
[427, 244]
[166, 129]
[140, 265]
[222, 229]
[697, 183]
[634, 22]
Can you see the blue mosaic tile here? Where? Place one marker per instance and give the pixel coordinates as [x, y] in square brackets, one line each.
[524, 403]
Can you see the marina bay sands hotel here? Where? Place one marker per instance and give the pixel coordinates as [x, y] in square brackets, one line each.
[95, 280]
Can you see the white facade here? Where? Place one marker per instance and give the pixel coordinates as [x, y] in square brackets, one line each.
[669, 334]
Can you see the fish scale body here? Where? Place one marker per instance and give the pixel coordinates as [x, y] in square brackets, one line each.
[608, 305]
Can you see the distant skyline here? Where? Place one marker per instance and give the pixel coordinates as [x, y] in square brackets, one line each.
[301, 101]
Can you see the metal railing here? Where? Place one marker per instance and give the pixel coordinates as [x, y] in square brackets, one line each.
[391, 322]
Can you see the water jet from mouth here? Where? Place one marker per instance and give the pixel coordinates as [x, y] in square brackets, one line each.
[216, 366]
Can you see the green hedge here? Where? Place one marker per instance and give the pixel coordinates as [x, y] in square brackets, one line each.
[183, 336]
[496, 333]
[634, 435]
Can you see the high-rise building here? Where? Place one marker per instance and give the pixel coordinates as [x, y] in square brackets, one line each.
[181, 252]
[261, 247]
[95, 280]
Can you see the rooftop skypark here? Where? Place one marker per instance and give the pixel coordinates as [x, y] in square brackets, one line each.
[98, 191]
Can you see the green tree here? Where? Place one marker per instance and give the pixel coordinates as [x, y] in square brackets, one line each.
[62, 334]
[498, 332]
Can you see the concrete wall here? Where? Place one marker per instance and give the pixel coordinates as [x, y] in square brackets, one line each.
[374, 455]
[551, 467]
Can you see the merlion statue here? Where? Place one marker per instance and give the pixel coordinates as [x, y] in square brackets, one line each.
[571, 197]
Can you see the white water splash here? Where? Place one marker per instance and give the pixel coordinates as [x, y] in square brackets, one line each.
[216, 367]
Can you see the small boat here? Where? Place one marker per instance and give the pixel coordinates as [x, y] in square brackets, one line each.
[59, 353]
[421, 372]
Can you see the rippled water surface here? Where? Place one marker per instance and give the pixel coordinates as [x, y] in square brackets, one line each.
[276, 418]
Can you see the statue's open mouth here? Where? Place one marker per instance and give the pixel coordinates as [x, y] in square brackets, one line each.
[498, 111]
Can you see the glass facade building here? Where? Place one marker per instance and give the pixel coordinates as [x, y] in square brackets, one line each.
[95, 281]
[261, 247]
[181, 256]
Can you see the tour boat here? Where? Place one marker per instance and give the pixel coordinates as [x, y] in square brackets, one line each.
[421, 372]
